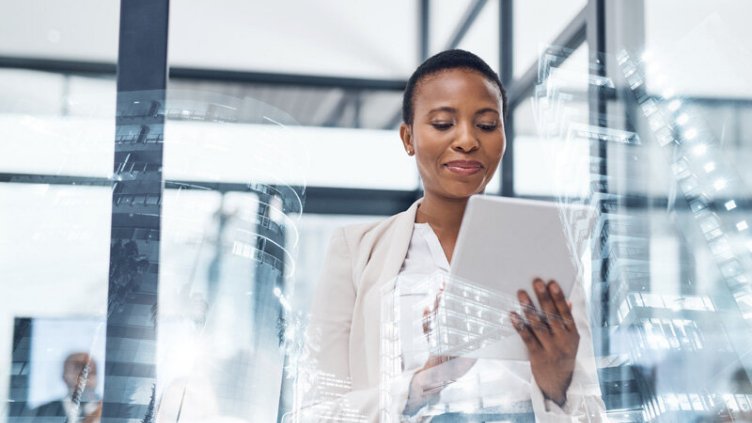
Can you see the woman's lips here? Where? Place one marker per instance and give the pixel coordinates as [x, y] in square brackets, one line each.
[464, 167]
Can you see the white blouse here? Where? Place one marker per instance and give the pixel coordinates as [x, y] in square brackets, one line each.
[493, 385]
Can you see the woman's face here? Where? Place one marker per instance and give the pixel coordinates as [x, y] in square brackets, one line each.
[457, 132]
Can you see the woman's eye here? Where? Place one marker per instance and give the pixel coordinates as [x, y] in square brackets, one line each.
[487, 127]
[442, 126]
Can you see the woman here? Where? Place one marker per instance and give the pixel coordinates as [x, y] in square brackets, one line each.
[452, 123]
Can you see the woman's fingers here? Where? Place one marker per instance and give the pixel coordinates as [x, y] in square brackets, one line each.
[537, 324]
[426, 321]
[528, 337]
[429, 315]
[548, 308]
[563, 307]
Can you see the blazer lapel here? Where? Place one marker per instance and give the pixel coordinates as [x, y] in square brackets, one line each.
[379, 279]
[399, 242]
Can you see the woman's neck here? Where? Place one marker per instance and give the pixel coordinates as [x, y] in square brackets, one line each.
[445, 216]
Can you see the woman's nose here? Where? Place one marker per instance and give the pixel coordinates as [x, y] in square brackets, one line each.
[465, 140]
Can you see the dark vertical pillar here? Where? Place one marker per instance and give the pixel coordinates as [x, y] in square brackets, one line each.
[506, 69]
[138, 185]
[424, 17]
[424, 46]
[596, 39]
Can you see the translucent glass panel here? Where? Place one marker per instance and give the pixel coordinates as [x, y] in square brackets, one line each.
[671, 264]
[56, 124]
[482, 37]
[41, 29]
[703, 53]
[533, 30]
[215, 304]
[54, 253]
[203, 145]
[544, 163]
[313, 156]
[55, 237]
[293, 37]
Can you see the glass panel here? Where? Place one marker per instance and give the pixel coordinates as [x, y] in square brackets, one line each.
[57, 103]
[54, 261]
[275, 150]
[40, 29]
[533, 30]
[243, 35]
[550, 159]
[670, 264]
[665, 274]
[482, 37]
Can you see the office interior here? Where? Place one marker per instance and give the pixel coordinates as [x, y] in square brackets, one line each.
[171, 174]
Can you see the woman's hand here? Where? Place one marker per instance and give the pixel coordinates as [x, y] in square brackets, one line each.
[551, 339]
[438, 372]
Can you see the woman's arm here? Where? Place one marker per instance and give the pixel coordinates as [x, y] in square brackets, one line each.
[581, 396]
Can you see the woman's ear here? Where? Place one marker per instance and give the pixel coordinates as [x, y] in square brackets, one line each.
[406, 133]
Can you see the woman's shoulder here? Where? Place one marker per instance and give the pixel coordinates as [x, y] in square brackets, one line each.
[365, 230]
[368, 233]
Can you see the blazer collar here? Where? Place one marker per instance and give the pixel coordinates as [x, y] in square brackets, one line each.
[402, 234]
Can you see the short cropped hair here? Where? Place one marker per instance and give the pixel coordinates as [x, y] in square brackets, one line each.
[446, 60]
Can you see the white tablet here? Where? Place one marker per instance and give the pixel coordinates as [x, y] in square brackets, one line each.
[505, 243]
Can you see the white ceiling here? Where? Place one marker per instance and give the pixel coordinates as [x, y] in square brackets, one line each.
[373, 39]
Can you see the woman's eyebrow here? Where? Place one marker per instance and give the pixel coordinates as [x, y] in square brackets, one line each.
[486, 110]
[443, 109]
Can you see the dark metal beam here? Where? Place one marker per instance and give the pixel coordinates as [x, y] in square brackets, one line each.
[288, 79]
[262, 78]
[597, 102]
[321, 200]
[471, 14]
[26, 178]
[141, 85]
[424, 23]
[335, 115]
[506, 70]
[573, 35]
[301, 80]
[327, 200]
[338, 201]
[58, 66]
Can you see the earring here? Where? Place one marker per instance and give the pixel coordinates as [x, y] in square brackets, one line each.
[409, 151]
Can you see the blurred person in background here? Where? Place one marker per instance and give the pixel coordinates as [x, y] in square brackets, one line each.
[81, 404]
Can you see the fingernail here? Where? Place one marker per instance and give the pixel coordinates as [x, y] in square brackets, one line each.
[539, 286]
[555, 288]
[515, 320]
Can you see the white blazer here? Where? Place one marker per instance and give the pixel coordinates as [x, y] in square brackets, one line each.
[343, 337]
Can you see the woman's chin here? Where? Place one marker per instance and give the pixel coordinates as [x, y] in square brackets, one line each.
[463, 192]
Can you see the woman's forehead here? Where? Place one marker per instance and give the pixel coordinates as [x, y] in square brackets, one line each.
[456, 85]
